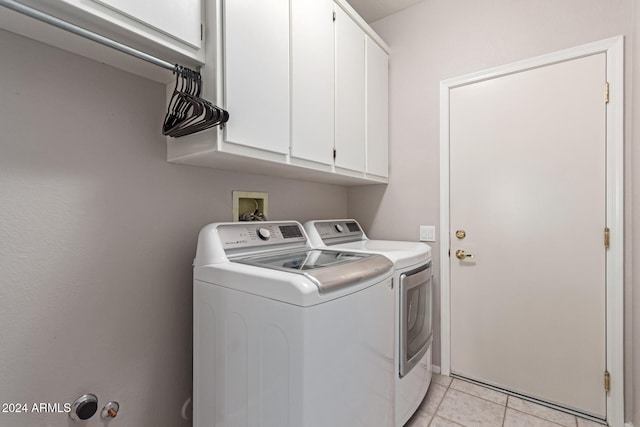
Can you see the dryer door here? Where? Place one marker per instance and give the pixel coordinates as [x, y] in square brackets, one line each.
[416, 324]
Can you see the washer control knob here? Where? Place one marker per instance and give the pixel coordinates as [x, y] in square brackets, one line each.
[339, 228]
[264, 233]
[84, 407]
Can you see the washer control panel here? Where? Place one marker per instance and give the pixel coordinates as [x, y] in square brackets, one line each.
[243, 235]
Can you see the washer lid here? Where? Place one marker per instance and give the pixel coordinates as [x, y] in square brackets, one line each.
[328, 269]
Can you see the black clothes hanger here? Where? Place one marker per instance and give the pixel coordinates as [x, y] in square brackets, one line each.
[187, 113]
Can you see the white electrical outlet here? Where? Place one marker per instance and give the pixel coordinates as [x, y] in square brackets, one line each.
[427, 233]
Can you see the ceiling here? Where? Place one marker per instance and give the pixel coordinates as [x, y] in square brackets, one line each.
[372, 10]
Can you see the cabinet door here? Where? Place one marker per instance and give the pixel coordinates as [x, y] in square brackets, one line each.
[377, 110]
[256, 73]
[350, 93]
[178, 19]
[312, 80]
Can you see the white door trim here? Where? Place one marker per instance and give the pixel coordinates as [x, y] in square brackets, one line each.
[614, 49]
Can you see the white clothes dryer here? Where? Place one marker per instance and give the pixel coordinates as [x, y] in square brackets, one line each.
[413, 304]
[289, 336]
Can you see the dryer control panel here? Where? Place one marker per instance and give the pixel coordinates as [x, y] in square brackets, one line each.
[339, 231]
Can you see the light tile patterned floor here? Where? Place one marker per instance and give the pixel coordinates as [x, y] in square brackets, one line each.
[454, 403]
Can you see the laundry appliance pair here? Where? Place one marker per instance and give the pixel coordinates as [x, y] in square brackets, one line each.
[309, 328]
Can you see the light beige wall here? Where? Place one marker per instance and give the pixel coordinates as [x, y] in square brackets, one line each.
[440, 39]
[97, 237]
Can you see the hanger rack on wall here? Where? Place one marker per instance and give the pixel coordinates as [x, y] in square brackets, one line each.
[187, 112]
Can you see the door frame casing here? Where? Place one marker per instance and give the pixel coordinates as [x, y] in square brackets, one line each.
[614, 50]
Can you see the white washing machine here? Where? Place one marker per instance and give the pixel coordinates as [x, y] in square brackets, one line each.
[289, 336]
[413, 304]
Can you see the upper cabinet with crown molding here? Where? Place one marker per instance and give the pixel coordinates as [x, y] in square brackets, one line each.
[305, 85]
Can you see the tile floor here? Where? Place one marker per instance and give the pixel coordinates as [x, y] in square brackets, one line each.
[454, 403]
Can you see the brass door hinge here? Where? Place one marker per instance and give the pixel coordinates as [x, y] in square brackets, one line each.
[334, 16]
[449, 253]
[201, 32]
[607, 237]
[335, 153]
[606, 92]
[607, 381]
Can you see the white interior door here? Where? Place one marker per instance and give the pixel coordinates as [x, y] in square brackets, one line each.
[527, 186]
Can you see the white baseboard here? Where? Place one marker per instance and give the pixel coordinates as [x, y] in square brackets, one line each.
[628, 424]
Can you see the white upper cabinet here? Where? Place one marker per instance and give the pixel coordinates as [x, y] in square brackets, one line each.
[178, 19]
[350, 93]
[377, 105]
[312, 80]
[256, 73]
[296, 85]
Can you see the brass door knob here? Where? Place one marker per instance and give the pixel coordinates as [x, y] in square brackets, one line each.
[461, 254]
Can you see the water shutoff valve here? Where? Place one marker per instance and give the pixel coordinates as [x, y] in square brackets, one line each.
[110, 410]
